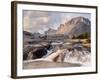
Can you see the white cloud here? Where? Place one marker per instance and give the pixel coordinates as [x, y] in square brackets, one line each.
[35, 21]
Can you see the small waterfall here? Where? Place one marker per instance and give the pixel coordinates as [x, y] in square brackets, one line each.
[48, 53]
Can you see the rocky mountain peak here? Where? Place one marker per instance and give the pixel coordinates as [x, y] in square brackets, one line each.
[77, 20]
[75, 26]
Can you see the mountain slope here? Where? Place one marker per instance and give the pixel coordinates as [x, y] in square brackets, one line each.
[75, 26]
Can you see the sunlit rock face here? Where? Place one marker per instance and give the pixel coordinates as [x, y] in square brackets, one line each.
[73, 56]
[75, 26]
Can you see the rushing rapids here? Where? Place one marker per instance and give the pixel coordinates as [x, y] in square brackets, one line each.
[56, 53]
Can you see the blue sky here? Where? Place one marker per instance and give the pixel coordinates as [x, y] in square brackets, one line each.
[40, 21]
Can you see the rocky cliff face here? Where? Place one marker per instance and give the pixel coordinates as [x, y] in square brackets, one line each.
[75, 26]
